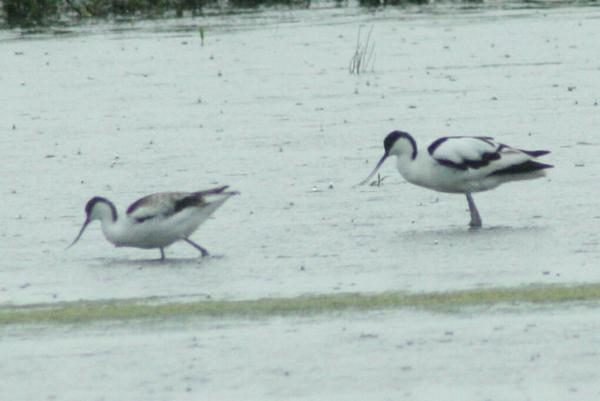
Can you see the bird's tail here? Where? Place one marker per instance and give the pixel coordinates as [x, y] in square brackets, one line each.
[215, 191]
[535, 153]
[206, 201]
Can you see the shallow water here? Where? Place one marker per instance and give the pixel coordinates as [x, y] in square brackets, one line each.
[273, 112]
[271, 109]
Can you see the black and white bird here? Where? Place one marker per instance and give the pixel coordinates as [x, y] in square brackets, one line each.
[157, 220]
[461, 164]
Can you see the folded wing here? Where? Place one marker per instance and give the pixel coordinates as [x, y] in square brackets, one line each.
[165, 204]
[161, 205]
[463, 152]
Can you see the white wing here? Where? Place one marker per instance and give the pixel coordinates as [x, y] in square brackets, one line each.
[166, 204]
[153, 206]
[463, 152]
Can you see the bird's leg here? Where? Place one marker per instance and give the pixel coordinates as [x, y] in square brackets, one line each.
[475, 219]
[162, 254]
[198, 247]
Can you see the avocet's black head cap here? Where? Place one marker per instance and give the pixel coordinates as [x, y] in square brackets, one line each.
[391, 139]
[89, 206]
[92, 202]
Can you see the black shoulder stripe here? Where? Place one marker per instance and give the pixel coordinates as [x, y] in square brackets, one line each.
[136, 204]
[486, 158]
[435, 144]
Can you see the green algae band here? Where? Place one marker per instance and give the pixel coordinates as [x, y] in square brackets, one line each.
[153, 308]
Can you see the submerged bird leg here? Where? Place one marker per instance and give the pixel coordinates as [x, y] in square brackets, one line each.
[198, 247]
[162, 254]
[475, 218]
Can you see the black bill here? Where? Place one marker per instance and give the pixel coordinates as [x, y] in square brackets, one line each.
[363, 182]
[85, 224]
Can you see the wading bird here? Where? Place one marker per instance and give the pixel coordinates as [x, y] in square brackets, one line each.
[157, 220]
[461, 164]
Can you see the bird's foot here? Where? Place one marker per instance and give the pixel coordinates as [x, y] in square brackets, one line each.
[216, 257]
[202, 250]
[475, 224]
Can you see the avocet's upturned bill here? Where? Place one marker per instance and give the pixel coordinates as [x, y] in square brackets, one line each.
[157, 220]
[461, 164]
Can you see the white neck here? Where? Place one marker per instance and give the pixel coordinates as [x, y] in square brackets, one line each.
[112, 230]
[410, 168]
[111, 224]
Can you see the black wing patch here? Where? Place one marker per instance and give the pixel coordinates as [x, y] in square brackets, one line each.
[168, 203]
[136, 204]
[435, 144]
[196, 199]
[526, 167]
[164, 206]
[484, 160]
[193, 200]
